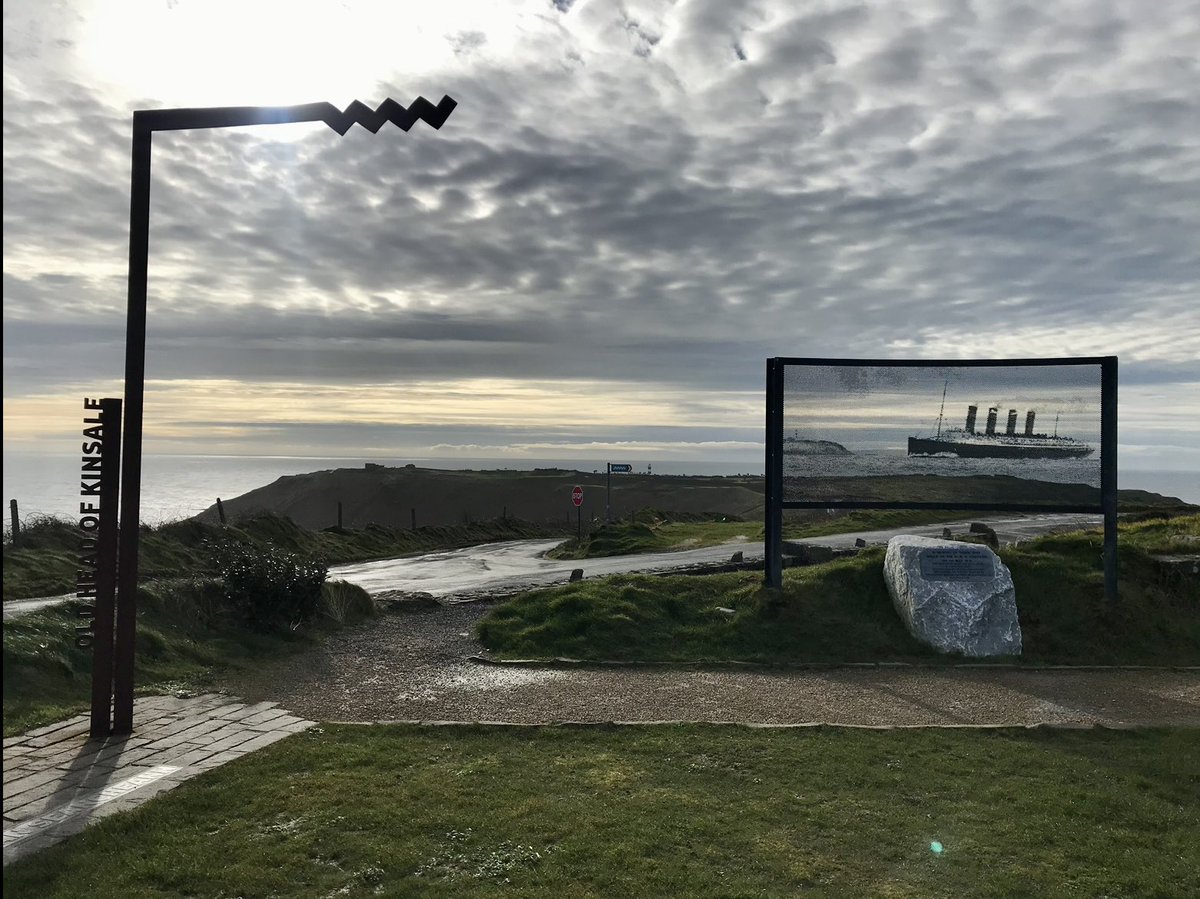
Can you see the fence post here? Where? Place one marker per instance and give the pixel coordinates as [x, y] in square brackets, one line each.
[16, 525]
[220, 510]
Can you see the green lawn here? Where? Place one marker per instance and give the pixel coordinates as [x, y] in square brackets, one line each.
[696, 811]
[841, 611]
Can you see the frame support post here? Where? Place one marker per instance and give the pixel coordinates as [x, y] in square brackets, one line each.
[1108, 472]
[773, 499]
[131, 467]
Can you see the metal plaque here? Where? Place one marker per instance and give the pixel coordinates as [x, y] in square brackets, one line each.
[956, 563]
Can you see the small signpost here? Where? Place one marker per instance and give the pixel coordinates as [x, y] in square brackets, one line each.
[577, 501]
[619, 467]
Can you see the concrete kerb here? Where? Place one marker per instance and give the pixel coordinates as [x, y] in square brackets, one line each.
[58, 779]
[561, 662]
[749, 725]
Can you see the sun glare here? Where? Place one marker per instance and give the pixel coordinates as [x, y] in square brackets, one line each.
[268, 52]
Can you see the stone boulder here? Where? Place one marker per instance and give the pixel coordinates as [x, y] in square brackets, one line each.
[808, 553]
[399, 601]
[955, 597]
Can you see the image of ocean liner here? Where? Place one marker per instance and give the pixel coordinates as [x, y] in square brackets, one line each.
[969, 443]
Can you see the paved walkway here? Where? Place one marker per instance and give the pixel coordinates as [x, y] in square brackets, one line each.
[57, 780]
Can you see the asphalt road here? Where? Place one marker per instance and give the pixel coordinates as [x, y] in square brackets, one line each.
[501, 568]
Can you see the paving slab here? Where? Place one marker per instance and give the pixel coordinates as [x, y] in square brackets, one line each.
[60, 779]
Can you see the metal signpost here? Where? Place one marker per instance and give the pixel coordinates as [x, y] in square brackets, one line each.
[577, 500]
[145, 123]
[618, 467]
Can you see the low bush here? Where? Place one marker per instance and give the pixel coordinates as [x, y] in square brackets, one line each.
[346, 603]
[269, 586]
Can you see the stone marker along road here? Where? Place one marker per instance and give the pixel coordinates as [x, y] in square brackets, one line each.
[501, 568]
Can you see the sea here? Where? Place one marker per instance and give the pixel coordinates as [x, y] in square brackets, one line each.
[179, 486]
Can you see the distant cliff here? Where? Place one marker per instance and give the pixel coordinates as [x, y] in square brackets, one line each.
[814, 447]
[400, 496]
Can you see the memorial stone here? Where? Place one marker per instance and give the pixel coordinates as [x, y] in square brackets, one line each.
[955, 597]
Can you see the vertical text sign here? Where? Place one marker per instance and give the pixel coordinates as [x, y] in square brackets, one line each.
[91, 469]
[97, 576]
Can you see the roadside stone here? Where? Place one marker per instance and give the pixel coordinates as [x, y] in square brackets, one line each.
[576, 575]
[737, 558]
[808, 553]
[1178, 570]
[985, 534]
[954, 598]
[407, 602]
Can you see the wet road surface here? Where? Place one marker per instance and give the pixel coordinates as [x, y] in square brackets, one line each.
[503, 568]
[499, 568]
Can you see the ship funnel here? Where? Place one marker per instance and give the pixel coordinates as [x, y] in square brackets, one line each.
[1011, 430]
[991, 422]
[971, 411]
[1029, 423]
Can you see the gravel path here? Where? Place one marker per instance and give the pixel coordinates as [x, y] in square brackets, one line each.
[413, 666]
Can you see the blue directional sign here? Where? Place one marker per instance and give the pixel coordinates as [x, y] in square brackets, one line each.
[613, 466]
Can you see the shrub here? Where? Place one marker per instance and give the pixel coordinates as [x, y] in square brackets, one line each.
[192, 603]
[346, 603]
[269, 586]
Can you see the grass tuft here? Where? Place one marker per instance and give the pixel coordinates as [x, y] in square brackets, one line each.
[184, 636]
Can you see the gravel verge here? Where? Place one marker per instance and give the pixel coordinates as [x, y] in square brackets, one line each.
[416, 666]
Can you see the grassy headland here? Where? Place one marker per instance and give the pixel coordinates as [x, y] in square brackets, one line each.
[390, 496]
[841, 611]
[698, 811]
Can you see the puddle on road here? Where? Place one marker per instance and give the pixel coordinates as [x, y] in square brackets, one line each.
[487, 678]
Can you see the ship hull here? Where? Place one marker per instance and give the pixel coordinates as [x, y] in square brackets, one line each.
[924, 446]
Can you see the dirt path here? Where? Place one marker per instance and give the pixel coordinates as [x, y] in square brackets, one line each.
[413, 666]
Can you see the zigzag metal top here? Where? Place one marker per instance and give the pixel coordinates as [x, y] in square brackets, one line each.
[146, 120]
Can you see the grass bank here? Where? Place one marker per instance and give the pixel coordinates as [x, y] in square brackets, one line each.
[841, 611]
[654, 531]
[698, 811]
[46, 562]
[184, 637]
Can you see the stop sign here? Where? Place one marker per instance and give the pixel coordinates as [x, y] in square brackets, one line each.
[577, 496]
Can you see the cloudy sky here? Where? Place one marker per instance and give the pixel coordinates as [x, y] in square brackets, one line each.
[633, 206]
